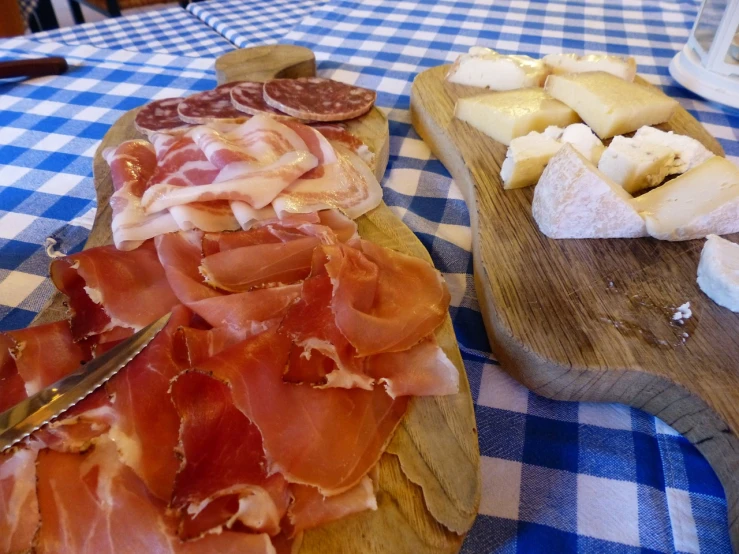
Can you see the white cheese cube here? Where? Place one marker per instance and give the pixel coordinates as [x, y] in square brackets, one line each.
[526, 159]
[584, 140]
[483, 67]
[609, 105]
[718, 272]
[689, 153]
[703, 201]
[623, 68]
[636, 165]
[575, 200]
[507, 115]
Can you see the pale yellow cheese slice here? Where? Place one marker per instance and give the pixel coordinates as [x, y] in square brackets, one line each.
[609, 105]
[507, 115]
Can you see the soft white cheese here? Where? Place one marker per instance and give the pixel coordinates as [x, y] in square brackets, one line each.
[584, 140]
[575, 200]
[483, 67]
[623, 68]
[636, 165]
[718, 272]
[609, 105]
[703, 201]
[507, 115]
[526, 159]
[689, 153]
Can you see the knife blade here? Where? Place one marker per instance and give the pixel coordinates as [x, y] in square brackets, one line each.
[39, 409]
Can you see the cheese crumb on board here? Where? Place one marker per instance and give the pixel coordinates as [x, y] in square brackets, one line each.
[718, 272]
[611, 106]
[702, 201]
[575, 200]
[635, 164]
[527, 156]
[623, 68]
[507, 115]
[689, 153]
[683, 312]
[483, 67]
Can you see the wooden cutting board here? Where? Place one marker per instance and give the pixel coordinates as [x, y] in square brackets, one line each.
[429, 478]
[591, 320]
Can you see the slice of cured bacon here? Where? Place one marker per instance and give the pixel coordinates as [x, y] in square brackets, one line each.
[371, 302]
[234, 465]
[338, 133]
[180, 255]
[210, 105]
[318, 99]
[19, 513]
[248, 267]
[257, 187]
[132, 165]
[93, 503]
[146, 424]
[110, 288]
[326, 438]
[160, 115]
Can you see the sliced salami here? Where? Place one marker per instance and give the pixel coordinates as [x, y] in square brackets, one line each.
[211, 105]
[248, 97]
[317, 99]
[160, 116]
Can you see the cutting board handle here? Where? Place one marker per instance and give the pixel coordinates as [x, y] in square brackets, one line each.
[262, 63]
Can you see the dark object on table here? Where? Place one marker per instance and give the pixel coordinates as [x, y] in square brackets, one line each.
[11, 23]
[37, 67]
[112, 8]
[43, 18]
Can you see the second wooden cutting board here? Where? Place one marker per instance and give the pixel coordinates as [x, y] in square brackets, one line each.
[591, 320]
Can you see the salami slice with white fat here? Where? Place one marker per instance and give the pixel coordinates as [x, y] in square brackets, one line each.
[211, 105]
[318, 99]
[161, 116]
[248, 97]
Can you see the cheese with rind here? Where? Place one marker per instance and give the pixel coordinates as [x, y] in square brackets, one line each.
[611, 106]
[483, 67]
[575, 200]
[623, 68]
[718, 272]
[636, 164]
[689, 153]
[507, 115]
[584, 140]
[700, 202]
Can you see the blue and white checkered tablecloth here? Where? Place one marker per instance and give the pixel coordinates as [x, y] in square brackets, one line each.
[557, 476]
[168, 31]
[253, 22]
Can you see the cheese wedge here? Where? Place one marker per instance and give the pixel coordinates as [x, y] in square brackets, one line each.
[584, 140]
[623, 68]
[689, 153]
[636, 165]
[507, 115]
[483, 67]
[718, 272]
[701, 202]
[573, 200]
[609, 105]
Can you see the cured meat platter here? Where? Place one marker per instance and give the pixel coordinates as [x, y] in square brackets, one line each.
[592, 320]
[428, 479]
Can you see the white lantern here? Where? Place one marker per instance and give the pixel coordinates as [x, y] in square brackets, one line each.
[708, 64]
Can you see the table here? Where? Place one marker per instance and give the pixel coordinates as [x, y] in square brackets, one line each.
[557, 476]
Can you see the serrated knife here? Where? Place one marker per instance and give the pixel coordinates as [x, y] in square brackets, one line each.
[39, 409]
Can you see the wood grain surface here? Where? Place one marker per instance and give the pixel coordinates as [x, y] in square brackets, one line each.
[591, 320]
[428, 488]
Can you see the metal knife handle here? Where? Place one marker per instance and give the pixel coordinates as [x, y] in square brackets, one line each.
[39, 409]
[36, 67]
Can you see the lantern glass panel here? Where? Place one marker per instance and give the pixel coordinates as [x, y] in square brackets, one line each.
[708, 22]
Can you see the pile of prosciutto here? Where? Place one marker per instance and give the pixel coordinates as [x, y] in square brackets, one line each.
[262, 409]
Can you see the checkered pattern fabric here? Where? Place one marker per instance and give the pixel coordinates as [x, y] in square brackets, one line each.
[169, 31]
[253, 22]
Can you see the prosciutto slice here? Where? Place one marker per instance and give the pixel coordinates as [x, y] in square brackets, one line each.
[132, 165]
[19, 513]
[12, 387]
[93, 503]
[179, 254]
[327, 438]
[234, 467]
[110, 288]
[193, 346]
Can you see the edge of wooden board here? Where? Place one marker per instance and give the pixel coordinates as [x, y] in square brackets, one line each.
[679, 403]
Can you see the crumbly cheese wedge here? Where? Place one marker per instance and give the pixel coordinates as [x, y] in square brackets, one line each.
[575, 200]
[515, 113]
[623, 68]
[701, 202]
[718, 272]
[483, 67]
[609, 105]
[584, 140]
[526, 159]
[689, 153]
[636, 165]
